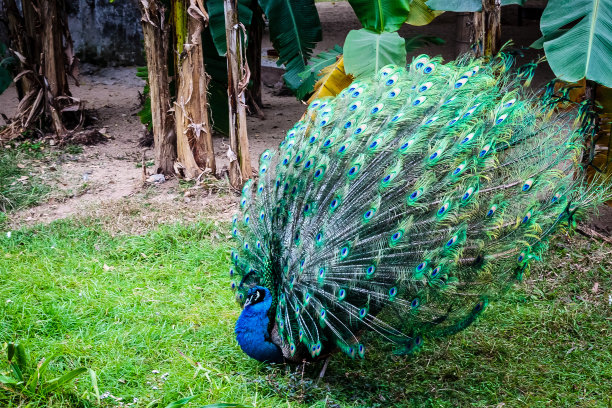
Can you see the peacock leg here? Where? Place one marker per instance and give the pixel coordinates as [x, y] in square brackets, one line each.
[322, 373]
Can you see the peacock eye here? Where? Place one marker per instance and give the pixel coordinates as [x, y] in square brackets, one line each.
[376, 108]
[526, 217]
[527, 185]
[418, 101]
[443, 209]
[415, 302]
[461, 82]
[394, 92]
[492, 210]
[467, 138]
[431, 120]
[484, 151]
[501, 118]
[509, 103]
[451, 241]
[467, 194]
[360, 129]
[370, 270]
[453, 121]
[415, 194]
[348, 124]
[459, 169]
[355, 105]
[429, 68]
[391, 80]
[425, 86]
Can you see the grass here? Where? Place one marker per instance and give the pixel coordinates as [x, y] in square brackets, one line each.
[153, 316]
[18, 188]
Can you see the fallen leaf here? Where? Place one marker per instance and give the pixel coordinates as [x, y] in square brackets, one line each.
[595, 287]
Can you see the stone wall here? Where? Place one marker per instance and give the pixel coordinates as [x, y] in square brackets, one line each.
[105, 33]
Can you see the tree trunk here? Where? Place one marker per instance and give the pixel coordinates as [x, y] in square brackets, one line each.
[253, 95]
[194, 138]
[464, 36]
[479, 32]
[41, 40]
[240, 162]
[156, 47]
[487, 28]
[52, 45]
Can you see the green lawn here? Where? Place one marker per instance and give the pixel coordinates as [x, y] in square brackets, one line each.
[130, 307]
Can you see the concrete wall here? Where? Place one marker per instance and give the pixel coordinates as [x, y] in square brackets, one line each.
[105, 33]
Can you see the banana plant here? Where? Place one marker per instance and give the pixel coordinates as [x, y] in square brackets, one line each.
[585, 49]
[375, 45]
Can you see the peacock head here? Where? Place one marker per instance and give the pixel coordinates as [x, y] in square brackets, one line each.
[258, 300]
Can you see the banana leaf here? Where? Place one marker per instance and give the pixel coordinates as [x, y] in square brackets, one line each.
[584, 49]
[313, 70]
[216, 67]
[333, 80]
[294, 30]
[420, 13]
[216, 20]
[381, 15]
[365, 52]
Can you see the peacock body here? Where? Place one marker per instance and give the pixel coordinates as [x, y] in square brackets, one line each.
[401, 206]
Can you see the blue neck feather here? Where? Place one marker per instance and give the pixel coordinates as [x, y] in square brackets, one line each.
[252, 332]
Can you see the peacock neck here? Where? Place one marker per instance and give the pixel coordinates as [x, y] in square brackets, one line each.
[253, 337]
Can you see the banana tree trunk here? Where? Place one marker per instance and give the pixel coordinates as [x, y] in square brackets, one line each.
[479, 32]
[41, 40]
[194, 138]
[487, 27]
[156, 38]
[238, 78]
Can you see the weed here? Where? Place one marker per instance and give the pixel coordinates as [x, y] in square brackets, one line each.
[28, 382]
[19, 188]
[73, 149]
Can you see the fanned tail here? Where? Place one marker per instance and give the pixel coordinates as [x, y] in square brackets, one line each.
[405, 203]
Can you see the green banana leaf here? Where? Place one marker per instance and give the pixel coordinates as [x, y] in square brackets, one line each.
[365, 52]
[585, 49]
[465, 5]
[216, 20]
[294, 30]
[310, 75]
[216, 67]
[381, 15]
[420, 13]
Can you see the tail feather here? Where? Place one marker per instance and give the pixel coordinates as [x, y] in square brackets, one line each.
[403, 204]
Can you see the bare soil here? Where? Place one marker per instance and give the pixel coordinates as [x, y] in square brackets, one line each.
[105, 180]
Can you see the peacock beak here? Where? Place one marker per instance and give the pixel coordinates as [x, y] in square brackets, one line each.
[247, 302]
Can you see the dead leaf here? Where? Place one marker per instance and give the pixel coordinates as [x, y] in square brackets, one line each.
[595, 287]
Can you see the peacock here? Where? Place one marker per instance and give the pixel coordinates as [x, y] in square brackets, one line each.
[402, 206]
